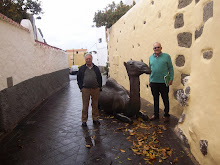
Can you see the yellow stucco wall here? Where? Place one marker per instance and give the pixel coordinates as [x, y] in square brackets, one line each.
[70, 57]
[153, 20]
[79, 59]
[78, 56]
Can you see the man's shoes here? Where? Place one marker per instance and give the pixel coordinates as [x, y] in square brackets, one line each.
[84, 124]
[166, 119]
[96, 122]
[154, 118]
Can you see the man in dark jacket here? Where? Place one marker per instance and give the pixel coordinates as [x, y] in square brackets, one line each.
[90, 82]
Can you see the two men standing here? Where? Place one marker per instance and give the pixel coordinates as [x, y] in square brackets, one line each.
[90, 82]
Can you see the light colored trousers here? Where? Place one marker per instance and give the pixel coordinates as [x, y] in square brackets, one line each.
[86, 93]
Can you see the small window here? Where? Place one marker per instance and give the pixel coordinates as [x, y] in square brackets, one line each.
[100, 40]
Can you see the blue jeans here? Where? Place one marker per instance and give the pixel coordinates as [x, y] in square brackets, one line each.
[158, 89]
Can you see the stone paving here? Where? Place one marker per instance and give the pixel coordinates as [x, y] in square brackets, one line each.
[52, 135]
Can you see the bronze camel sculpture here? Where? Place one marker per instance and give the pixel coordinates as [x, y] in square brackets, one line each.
[115, 99]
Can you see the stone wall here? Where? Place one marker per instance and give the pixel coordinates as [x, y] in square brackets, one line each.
[189, 31]
[18, 101]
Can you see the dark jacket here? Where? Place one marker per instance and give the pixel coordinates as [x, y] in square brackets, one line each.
[80, 75]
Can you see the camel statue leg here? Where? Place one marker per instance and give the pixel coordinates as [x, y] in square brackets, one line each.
[143, 116]
[123, 118]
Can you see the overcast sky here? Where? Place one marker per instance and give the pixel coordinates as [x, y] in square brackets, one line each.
[67, 24]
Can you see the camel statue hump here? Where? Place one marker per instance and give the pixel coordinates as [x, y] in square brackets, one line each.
[113, 97]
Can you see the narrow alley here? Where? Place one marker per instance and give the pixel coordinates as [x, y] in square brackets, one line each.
[52, 135]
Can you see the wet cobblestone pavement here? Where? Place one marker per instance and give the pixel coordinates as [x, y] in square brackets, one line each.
[52, 135]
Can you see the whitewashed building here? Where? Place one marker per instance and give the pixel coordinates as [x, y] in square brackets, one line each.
[100, 52]
[101, 46]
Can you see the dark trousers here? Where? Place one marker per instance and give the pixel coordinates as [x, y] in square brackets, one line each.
[158, 89]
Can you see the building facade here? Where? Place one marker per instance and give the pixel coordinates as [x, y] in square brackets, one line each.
[76, 56]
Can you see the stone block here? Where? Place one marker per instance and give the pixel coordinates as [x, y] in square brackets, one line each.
[180, 60]
[18, 101]
[179, 22]
[208, 11]
[208, 54]
[184, 39]
[183, 3]
[198, 33]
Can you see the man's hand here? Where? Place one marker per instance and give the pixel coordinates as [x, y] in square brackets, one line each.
[170, 82]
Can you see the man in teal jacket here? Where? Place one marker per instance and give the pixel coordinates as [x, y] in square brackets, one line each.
[161, 66]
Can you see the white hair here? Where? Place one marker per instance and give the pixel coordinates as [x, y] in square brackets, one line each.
[88, 54]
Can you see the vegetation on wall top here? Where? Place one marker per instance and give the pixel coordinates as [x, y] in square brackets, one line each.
[20, 9]
[111, 14]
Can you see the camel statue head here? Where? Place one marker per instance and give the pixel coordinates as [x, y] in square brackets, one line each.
[136, 68]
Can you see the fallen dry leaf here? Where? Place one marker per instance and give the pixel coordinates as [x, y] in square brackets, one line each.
[145, 141]
[163, 152]
[146, 147]
[122, 150]
[159, 131]
[135, 150]
[140, 119]
[169, 152]
[131, 133]
[152, 156]
[145, 152]
[146, 159]
[162, 127]
[175, 160]
[88, 146]
[128, 138]
[164, 158]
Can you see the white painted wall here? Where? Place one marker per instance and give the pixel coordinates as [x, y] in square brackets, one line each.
[22, 58]
[102, 51]
[95, 58]
[37, 36]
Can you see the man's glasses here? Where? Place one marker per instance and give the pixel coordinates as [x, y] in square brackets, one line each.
[157, 47]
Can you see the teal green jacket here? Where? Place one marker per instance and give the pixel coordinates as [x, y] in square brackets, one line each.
[160, 66]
